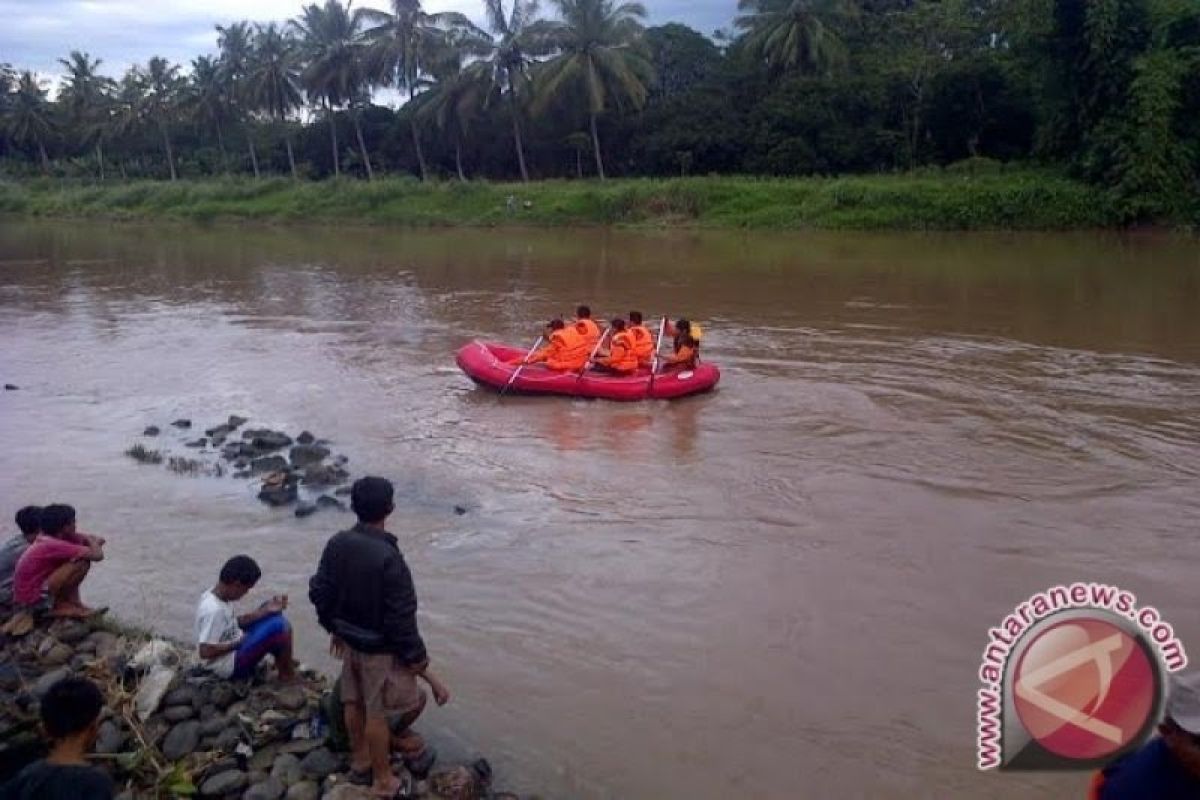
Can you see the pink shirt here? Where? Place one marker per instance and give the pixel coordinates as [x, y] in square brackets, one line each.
[46, 554]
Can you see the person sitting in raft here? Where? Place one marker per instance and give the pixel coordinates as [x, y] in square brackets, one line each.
[231, 646]
[643, 339]
[567, 351]
[586, 326]
[621, 359]
[56, 564]
[687, 345]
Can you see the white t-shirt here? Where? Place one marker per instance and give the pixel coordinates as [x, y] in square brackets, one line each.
[216, 623]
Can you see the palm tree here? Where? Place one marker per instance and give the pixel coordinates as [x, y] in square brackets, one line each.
[403, 45]
[454, 99]
[160, 104]
[335, 71]
[129, 105]
[790, 35]
[207, 99]
[236, 51]
[601, 55]
[87, 97]
[28, 118]
[273, 83]
[518, 36]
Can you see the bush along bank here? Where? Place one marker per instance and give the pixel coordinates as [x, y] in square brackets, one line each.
[171, 730]
[962, 199]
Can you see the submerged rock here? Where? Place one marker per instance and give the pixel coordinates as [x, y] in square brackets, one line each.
[303, 455]
[305, 438]
[201, 442]
[281, 495]
[324, 475]
[11, 387]
[151, 430]
[305, 510]
[182, 424]
[267, 440]
[325, 501]
[268, 464]
[235, 422]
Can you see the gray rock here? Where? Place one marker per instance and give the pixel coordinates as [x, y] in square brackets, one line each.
[291, 698]
[11, 387]
[56, 654]
[71, 632]
[460, 510]
[105, 644]
[182, 424]
[269, 464]
[343, 491]
[286, 769]
[222, 783]
[305, 790]
[325, 501]
[181, 740]
[324, 475]
[201, 442]
[228, 739]
[178, 713]
[219, 431]
[10, 678]
[151, 430]
[267, 440]
[305, 510]
[183, 696]
[319, 764]
[305, 438]
[270, 789]
[304, 454]
[112, 738]
[235, 421]
[213, 725]
[49, 679]
[278, 495]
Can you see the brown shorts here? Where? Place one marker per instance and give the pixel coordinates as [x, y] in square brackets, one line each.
[379, 683]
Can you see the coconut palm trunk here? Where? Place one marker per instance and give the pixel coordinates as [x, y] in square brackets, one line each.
[100, 159]
[516, 119]
[596, 147]
[337, 168]
[362, 148]
[45, 158]
[166, 138]
[221, 148]
[462, 176]
[287, 140]
[253, 151]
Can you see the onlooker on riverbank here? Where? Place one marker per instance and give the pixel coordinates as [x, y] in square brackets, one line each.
[1168, 766]
[29, 522]
[71, 717]
[232, 646]
[364, 596]
[56, 563]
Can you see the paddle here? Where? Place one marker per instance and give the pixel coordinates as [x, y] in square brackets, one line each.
[592, 357]
[662, 329]
[524, 361]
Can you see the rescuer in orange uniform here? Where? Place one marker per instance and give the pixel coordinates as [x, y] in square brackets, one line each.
[643, 339]
[567, 351]
[586, 325]
[621, 358]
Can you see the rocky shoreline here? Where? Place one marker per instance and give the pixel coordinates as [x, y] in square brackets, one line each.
[172, 730]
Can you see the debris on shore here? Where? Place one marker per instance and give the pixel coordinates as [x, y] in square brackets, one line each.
[172, 730]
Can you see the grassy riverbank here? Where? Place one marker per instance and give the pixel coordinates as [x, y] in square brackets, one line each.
[942, 201]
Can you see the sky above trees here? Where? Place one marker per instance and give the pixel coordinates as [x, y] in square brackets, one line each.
[35, 33]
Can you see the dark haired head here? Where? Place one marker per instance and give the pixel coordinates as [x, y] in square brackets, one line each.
[241, 570]
[29, 520]
[56, 519]
[371, 499]
[71, 707]
[556, 324]
[683, 326]
[584, 312]
[618, 324]
[635, 317]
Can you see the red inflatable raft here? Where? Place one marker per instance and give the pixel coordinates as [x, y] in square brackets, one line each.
[486, 364]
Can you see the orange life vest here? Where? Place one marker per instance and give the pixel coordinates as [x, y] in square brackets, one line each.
[622, 357]
[589, 330]
[643, 342]
[571, 350]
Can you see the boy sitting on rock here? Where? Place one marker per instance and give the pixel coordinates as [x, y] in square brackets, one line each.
[57, 562]
[231, 646]
[71, 718]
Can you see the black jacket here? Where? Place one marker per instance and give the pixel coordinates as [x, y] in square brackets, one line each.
[363, 580]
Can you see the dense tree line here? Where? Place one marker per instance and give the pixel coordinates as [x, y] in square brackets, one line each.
[1108, 89]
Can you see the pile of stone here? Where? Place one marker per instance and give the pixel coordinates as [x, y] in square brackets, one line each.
[302, 472]
[172, 730]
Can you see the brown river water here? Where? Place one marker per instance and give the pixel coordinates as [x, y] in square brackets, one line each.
[778, 590]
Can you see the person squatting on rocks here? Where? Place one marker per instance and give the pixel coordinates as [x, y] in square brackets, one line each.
[57, 562]
[29, 523]
[231, 646]
[364, 597]
[70, 714]
[1168, 766]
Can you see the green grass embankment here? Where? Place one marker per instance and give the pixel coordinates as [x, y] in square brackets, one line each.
[940, 201]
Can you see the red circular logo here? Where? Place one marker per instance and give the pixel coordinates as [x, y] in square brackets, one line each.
[1084, 688]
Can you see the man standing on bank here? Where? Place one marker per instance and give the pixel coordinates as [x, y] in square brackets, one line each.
[364, 596]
